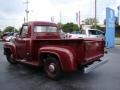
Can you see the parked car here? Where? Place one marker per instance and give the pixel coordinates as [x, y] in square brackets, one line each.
[8, 36]
[88, 33]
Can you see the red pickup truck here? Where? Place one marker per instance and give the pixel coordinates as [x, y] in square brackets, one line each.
[40, 44]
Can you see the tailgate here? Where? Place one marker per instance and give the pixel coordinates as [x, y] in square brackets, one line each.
[93, 49]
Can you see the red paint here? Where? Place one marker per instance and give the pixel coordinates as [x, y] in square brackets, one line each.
[71, 53]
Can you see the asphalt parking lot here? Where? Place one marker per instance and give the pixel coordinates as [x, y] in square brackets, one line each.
[21, 77]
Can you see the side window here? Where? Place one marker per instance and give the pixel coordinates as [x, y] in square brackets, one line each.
[99, 33]
[92, 32]
[24, 31]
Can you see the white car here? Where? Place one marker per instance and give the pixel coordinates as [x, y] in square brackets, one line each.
[88, 33]
[11, 38]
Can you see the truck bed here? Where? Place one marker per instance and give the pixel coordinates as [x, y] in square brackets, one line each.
[85, 50]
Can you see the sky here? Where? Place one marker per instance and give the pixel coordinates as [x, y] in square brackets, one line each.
[12, 12]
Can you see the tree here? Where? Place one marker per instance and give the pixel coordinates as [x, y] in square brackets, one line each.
[69, 27]
[116, 21]
[0, 33]
[10, 29]
[90, 21]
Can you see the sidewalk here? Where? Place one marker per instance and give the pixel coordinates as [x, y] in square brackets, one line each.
[117, 41]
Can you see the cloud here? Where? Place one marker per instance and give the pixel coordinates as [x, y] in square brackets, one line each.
[11, 6]
[12, 12]
[48, 8]
[58, 2]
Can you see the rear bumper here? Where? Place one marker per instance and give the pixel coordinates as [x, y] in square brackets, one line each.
[95, 65]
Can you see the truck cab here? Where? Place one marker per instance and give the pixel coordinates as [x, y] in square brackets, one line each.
[29, 33]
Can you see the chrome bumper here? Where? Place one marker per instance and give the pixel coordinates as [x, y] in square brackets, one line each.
[95, 65]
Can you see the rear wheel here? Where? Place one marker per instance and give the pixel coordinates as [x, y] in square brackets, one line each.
[10, 58]
[52, 68]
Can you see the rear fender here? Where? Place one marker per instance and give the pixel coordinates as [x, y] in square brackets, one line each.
[64, 55]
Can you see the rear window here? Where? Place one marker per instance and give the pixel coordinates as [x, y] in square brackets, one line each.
[45, 29]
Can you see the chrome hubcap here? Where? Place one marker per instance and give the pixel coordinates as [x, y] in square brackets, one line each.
[52, 67]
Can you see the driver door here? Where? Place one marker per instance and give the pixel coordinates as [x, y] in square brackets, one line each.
[21, 42]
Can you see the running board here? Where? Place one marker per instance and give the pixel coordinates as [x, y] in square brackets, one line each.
[95, 65]
[33, 63]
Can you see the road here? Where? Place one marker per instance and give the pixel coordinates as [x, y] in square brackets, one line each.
[21, 77]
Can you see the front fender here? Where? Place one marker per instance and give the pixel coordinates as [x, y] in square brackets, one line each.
[11, 47]
[65, 56]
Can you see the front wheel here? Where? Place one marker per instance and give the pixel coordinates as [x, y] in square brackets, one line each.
[10, 58]
[52, 68]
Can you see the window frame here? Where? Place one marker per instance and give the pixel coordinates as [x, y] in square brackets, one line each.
[25, 33]
[45, 31]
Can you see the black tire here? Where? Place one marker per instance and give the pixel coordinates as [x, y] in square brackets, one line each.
[81, 69]
[10, 58]
[52, 68]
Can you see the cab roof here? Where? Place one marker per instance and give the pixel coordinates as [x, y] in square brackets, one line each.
[41, 23]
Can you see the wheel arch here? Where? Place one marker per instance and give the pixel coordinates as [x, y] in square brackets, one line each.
[7, 51]
[44, 55]
[10, 48]
[66, 62]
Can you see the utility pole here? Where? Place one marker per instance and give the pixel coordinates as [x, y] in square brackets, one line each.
[79, 20]
[60, 17]
[95, 21]
[24, 19]
[118, 19]
[26, 10]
